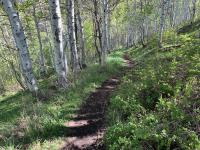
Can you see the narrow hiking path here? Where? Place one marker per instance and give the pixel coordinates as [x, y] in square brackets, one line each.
[87, 129]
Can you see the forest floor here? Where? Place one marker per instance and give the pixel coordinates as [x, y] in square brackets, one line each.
[88, 127]
[72, 118]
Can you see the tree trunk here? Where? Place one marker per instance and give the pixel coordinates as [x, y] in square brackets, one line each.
[107, 19]
[48, 38]
[162, 21]
[81, 33]
[186, 9]
[43, 70]
[142, 30]
[97, 31]
[96, 39]
[2, 88]
[57, 30]
[22, 46]
[193, 9]
[104, 32]
[147, 26]
[129, 24]
[109, 31]
[176, 19]
[72, 35]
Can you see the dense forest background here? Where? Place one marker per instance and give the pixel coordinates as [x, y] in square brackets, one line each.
[53, 53]
[98, 27]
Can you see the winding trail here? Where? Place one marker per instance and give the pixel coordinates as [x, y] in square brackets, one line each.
[87, 129]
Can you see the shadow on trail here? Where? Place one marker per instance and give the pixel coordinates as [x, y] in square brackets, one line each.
[87, 129]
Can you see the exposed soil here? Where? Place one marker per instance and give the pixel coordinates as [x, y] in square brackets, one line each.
[87, 129]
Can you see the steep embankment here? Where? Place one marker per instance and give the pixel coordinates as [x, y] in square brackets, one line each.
[157, 104]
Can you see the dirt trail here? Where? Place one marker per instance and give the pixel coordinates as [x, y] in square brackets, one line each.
[87, 129]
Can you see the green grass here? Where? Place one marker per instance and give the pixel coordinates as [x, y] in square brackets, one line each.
[40, 124]
[157, 103]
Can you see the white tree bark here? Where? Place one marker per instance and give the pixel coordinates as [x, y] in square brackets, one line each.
[134, 13]
[72, 35]
[147, 26]
[48, 36]
[186, 9]
[176, 18]
[21, 44]
[97, 30]
[155, 24]
[162, 20]
[109, 29]
[129, 24]
[193, 9]
[57, 30]
[104, 32]
[81, 32]
[43, 69]
[107, 25]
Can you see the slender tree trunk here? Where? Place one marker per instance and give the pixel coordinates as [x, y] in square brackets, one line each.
[2, 88]
[77, 38]
[162, 21]
[104, 32]
[155, 24]
[107, 19]
[22, 46]
[186, 9]
[109, 30]
[48, 37]
[81, 33]
[134, 27]
[193, 9]
[129, 24]
[97, 32]
[142, 30]
[72, 35]
[176, 19]
[96, 39]
[28, 28]
[43, 70]
[57, 30]
[147, 25]
[171, 13]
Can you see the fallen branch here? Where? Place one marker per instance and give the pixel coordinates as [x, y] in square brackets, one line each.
[168, 48]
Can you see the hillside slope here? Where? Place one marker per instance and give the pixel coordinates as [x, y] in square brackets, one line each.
[157, 105]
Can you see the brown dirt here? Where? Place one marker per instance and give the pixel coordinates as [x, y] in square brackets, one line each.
[87, 129]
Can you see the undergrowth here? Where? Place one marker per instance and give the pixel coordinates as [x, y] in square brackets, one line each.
[157, 104]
